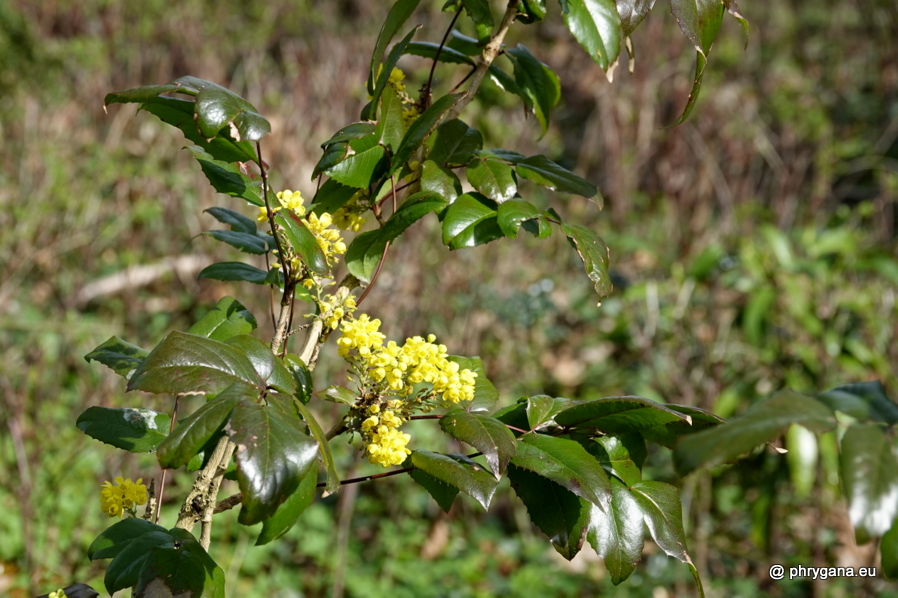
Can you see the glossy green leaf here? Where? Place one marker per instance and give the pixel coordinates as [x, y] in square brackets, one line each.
[338, 394]
[332, 155]
[391, 124]
[869, 471]
[621, 455]
[304, 243]
[762, 423]
[218, 108]
[493, 178]
[539, 87]
[228, 318]
[489, 436]
[531, 11]
[195, 432]
[246, 243]
[697, 419]
[364, 254]
[479, 11]
[567, 463]
[429, 50]
[124, 570]
[514, 415]
[863, 401]
[268, 366]
[234, 272]
[453, 143]
[117, 536]
[632, 13]
[440, 180]
[359, 169]
[660, 504]
[141, 94]
[385, 72]
[700, 21]
[441, 492]
[801, 457]
[302, 377]
[538, 227]
[888, 549]
[273, 455]
[226, 177]
[121, 357]
[512, 214]
[547, 173]
[184, 569]
[558, 513]
[459, 471]
[617, 415]
[286, 515]
[541, 409]
[596, 25]
[733, 9]
[237, 221]
[133, 430]
[464, 44]
[190, 364]
[617, 535]
[398, 15]
[324, 448]
[421, 129]
[594, 254]
[470, 221]
[331, 197]
[485, 393]
[350, 132]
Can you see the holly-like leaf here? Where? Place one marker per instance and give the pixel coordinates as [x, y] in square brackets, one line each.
[512, 214]
[540, 87]
[697, 419]
[331, 197]
[364, 254]
[124, 570]
[479, 11]
[121, 357]
[594, 253]
[557, 512]
[550, 175]
[116, 537]
[621, 455]
[363, 166]
[350, 132]
[234, 272]
[531, 11]
[273, 456]
[485, 393]
[700, 21]
[453, 143]
[660, 504]
[596, 24]
[286, 515]
[459, 471]
[133, 430]
[226, 177]
[398, 15]
[338, 394]
[863, 401]
[470, 221]
[567, 463]
[333, 155]
[489, 436]
[616, 536]
[190, 364]
[632, 13]
[869, 471]
[386, 70]
[440, 180]
[421, 129]
[304, 243]
[762, 423]
[269, 367]
[302, 377]
[253, 244]
[541, 409]
[493, 178]
[617, 415]
[195, 432]
[237, 221]
[184, 569]
[324, 448]
[429, 50]
[441, 492]
[391, 124]
[218, 108]
[228, 318]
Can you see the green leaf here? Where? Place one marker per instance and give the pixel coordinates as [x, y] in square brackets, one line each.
[331, 197]
[453, 143]
[359, 169]
[384, 77]
[734, 10]
[862, 401]
[133, 430]
[869, 471]
[594, 254]
[660, 504]
[700, 21]
[110, 543]
[194, 432]
[234, 272]
[596, 25]
[459, 471]
[333, 155]
[512, 213]
[338, 394]
[567, 463]
[514, 415]
[273, 456]
[558, 513]
[350, 132]
[668, 434]
[304, 243]
[505, 82]
[440, 180]
[429, 50]
[302, 377]
[124, 570]
[470, 221]
[399, 14]
[140, 94]
[531, 11]
[441, 492]
[226, 177]
[391, 125]
[489, 436]
[888, 548]
[121, 357]
[190, 364]
[492, 178]
[762, 423]
[632, 13]
[267, 365]
[464, 44]
[617, 415]
[237, 221]
[540, 87]
[286, 515]
[621, 455]
[228, 318]
[550, 175]
[479, 11]
[254, 244]
[184, 569]
[617, 535]
[485, 393]
[538, 227]
[421, 128]
[542, 409]
[324, 448]
[218, 108]
[364, 254]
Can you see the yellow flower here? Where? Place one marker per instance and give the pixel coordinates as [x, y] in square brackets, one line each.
[292, 200]
[263, 213]
[125, 495]
[60, 593]
[396, 79]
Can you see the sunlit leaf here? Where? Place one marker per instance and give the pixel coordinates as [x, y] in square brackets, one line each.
[121, 357]
[228, 318]
[596, 24]
[459, 471]
[489, 436]
[130, 429]
[470, 221]
[869, 471]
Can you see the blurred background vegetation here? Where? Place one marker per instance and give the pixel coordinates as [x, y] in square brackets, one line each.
[753, 247]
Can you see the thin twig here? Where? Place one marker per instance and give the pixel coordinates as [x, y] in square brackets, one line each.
[171, 428]
[376, 273]
[368, 478]
[425, 95]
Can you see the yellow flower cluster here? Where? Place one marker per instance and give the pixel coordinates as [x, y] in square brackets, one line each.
[124, 495]
[329, 239]
[384, 442]
[57, 594]
[396, 79]
[410, 114]
[347, 220]
[333, 309]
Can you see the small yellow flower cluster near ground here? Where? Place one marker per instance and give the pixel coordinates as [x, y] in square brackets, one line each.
[384, 443]
[125, 495]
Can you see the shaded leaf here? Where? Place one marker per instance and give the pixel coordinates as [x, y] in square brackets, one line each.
[421, 128]
[459, 471]
[234, 272]
[302, 377]
[121, 357]
[550, 175]
[246, 243]
[541, 409]
[697, 419]
[133, 430]
[429, 50]
[863, 401]
[596, 25]
[622, 455]
[493, 178]
[286, 515]
[441, 492]
[617, 415]
[118, 535]
[479, 11]
[237, 221]
[594, 254]
[303, 243]
[228, 318]
[184, 569]
[226, 177]
[660, 504]
[888, 548]
[869, 471]
[218, 108]
[539, 86]
[124, 570]
[333, 154]
[391, 124]
[440, 180]
[384, 76]
[489, 436]
[617, 535]
[331, 197]
[324, 448]
[453, 143]
[350, 132]
[338, 394]
[359, 169]
[268, 366]
[632, 13]
[398, 15]
[700, 21]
